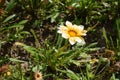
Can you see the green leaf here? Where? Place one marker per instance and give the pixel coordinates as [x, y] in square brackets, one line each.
[92, 45]
[37, 68]
[31, 50]
[75, 62]
[11, 5]
[15, 60]
[53, 17]
[23, 22]
[72, 75]
[24, 32]
[9, 18]
[113, 77]
[10, 27]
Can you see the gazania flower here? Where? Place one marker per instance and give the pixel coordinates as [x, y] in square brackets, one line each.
[72, 32]
[38, 76]
[7, 74]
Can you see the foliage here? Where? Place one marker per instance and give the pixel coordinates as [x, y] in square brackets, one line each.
[111, 44]
[29, 41]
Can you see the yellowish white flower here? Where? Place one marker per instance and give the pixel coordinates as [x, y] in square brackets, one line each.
[72, 32]
[8, 73]
[38, 76]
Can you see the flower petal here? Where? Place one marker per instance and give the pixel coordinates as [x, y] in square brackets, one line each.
[81, 27]
[61, 29]
[68, 24]
[64, 35]
[79, 40]
[72, 40]
[84, 33]
[82, 41]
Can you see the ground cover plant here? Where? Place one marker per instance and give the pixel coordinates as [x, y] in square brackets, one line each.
[59, 40]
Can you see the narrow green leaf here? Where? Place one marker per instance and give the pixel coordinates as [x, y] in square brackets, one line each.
[11, 5]
[72, 75]
[15, 60]
[92, 45]
[23, 22]
[9, 18]
[75, 62]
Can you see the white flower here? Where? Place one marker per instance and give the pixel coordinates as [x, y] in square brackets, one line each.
[38, 76]
[73, 32]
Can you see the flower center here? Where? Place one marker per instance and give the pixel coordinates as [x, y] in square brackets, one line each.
[38, 75]
[72, 33]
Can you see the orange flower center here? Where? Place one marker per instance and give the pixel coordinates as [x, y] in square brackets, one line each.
[38, 75]
[72, 33]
